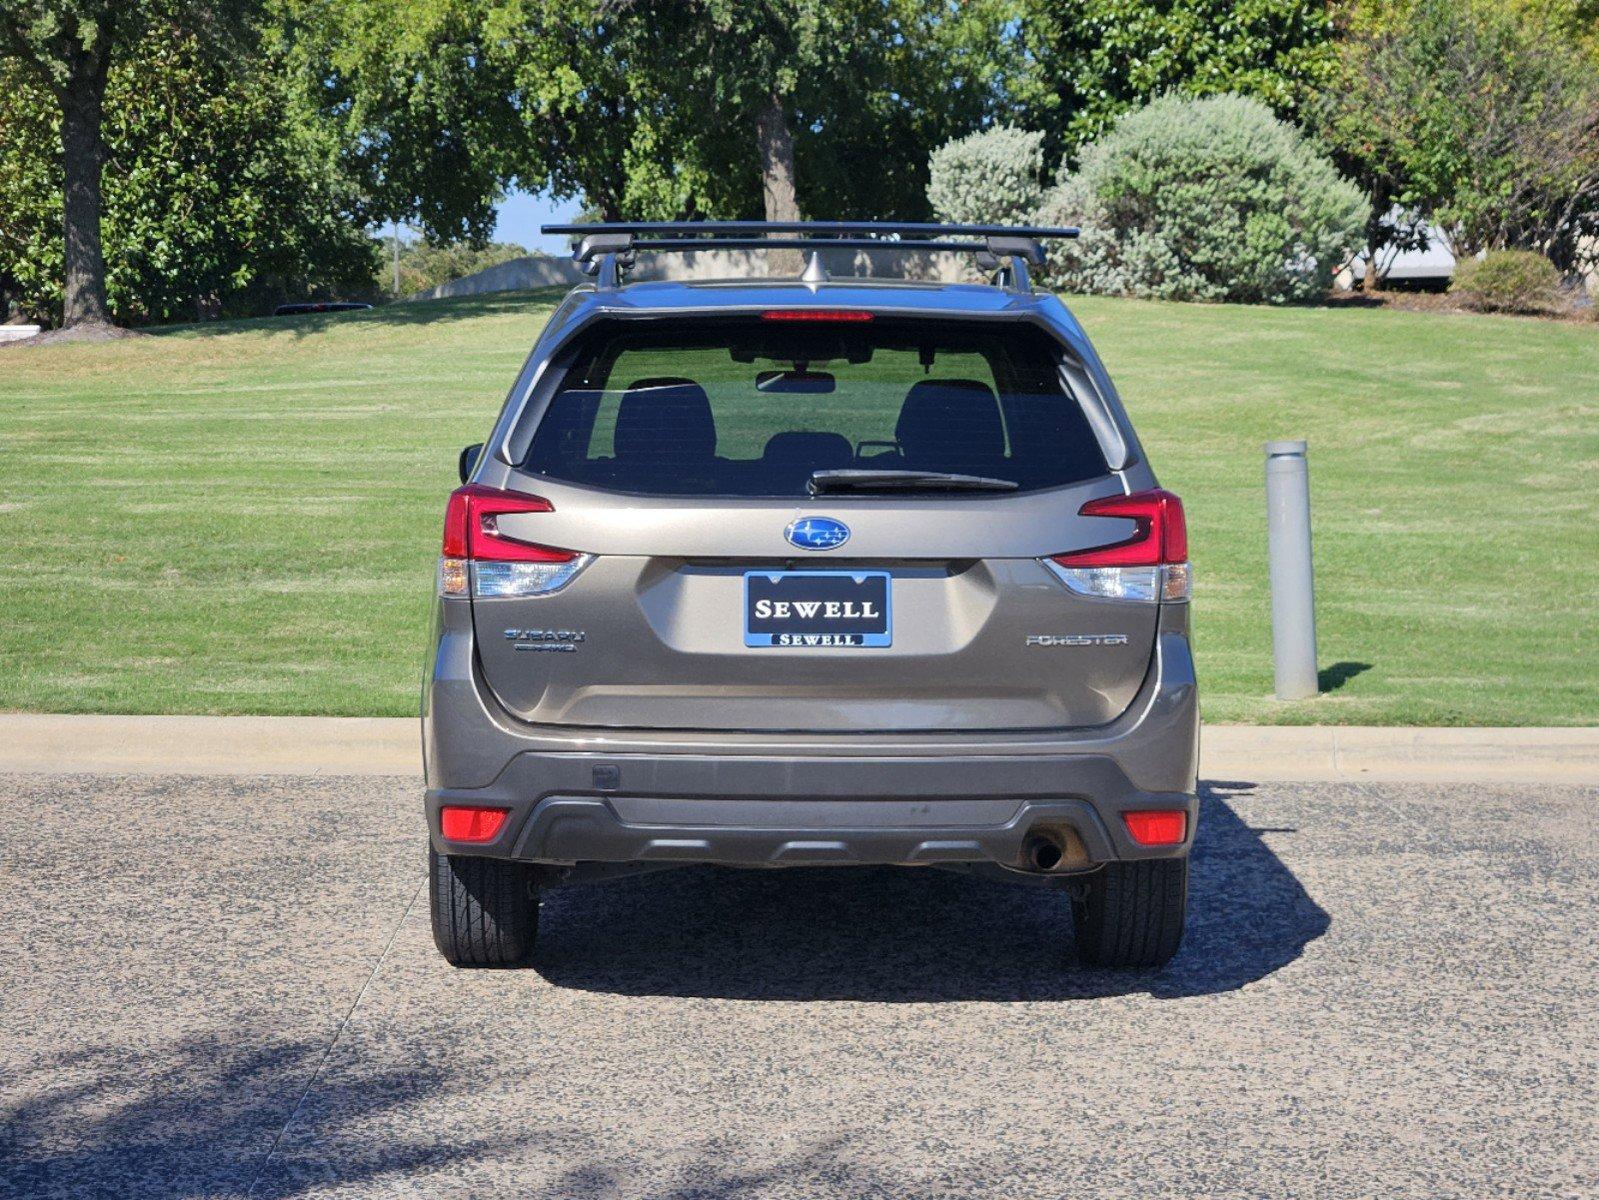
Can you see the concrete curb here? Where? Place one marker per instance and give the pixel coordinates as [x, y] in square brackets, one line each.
[107, 745]
[1400, 754]
[58, 744]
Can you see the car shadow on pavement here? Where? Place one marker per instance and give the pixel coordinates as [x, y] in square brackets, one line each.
[203, 1116]
[893, 934]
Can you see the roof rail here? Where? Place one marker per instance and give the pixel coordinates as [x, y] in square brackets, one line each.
[607, 249]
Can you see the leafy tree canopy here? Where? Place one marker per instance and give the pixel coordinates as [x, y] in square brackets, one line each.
[1089, 61]
[420, 99]
[648, 108]
[868, 88]
[1481, 116]
[56, 39]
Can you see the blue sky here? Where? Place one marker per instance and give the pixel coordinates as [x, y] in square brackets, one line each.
[521, 215]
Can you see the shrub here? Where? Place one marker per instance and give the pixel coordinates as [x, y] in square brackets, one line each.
[1517, 281]
[1204, 199]
[993, 176]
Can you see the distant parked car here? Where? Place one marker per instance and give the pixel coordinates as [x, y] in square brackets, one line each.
[302, 307]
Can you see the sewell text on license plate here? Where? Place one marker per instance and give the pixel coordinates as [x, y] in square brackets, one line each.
[800, 609]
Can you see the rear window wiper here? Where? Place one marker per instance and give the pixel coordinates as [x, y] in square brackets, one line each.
[866, 480]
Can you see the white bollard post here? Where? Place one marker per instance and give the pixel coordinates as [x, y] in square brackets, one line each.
[1293, 598]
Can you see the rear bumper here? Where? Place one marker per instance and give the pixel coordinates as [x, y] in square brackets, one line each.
[777, 832]
[618, 796]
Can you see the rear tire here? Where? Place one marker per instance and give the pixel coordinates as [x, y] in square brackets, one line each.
[485, 910]
[1132, 916]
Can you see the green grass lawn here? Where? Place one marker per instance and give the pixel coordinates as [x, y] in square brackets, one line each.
[243, 518]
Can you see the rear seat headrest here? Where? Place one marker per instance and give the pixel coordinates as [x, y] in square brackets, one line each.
[950, 420]
[812, 449]
[665, 420]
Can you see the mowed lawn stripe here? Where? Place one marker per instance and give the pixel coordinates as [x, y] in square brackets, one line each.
[1454, 484]
[243, 517]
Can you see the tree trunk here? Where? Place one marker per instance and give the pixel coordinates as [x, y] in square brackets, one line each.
[777, 161]
[83, 159]
[776, 145]
[1374, 235]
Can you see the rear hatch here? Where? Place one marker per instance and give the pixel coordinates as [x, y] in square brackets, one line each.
[836, 524]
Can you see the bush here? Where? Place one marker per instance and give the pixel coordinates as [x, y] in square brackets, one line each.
[1204, 199]
[1517, 281]
[994, 176]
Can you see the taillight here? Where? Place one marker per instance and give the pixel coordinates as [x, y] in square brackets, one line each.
[1149, 564]
[1160, 534]
[481, 558]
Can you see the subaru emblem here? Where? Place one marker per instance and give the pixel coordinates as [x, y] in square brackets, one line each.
[817, 533]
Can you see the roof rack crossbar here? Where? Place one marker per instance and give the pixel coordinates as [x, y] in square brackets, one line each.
[919, 228]
[606, 249]
[1001, 241]
[808, 245]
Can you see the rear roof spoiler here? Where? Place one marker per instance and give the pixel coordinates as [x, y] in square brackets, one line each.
[608, 249]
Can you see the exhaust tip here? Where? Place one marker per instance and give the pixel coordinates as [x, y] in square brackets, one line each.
[1043, 854]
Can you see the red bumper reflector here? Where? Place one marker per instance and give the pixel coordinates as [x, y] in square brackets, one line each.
[461, 824]
[1157, 827]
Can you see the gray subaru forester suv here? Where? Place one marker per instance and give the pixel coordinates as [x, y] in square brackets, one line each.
[811, 572]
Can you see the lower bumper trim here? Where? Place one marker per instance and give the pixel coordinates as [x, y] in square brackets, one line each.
[570, 829]
[591, 829]
[777, 812]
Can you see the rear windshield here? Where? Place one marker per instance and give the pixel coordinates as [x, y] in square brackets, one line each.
[757, 408]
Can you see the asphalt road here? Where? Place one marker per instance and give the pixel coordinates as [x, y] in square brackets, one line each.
[217, 987]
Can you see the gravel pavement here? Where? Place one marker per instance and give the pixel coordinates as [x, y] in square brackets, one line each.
[225, 987]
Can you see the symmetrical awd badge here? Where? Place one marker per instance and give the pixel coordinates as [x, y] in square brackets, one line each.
[545, 639]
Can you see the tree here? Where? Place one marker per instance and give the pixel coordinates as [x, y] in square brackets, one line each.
[829, 106]
[1089, 61]
[591, 126]
[444, 104]
[423, 103]
[1481, 117]
[867, 123]
[654, 108]
[713, 82]
[220, 191]
[70, 47]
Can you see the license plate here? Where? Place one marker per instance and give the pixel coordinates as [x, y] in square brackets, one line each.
[817, 608]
